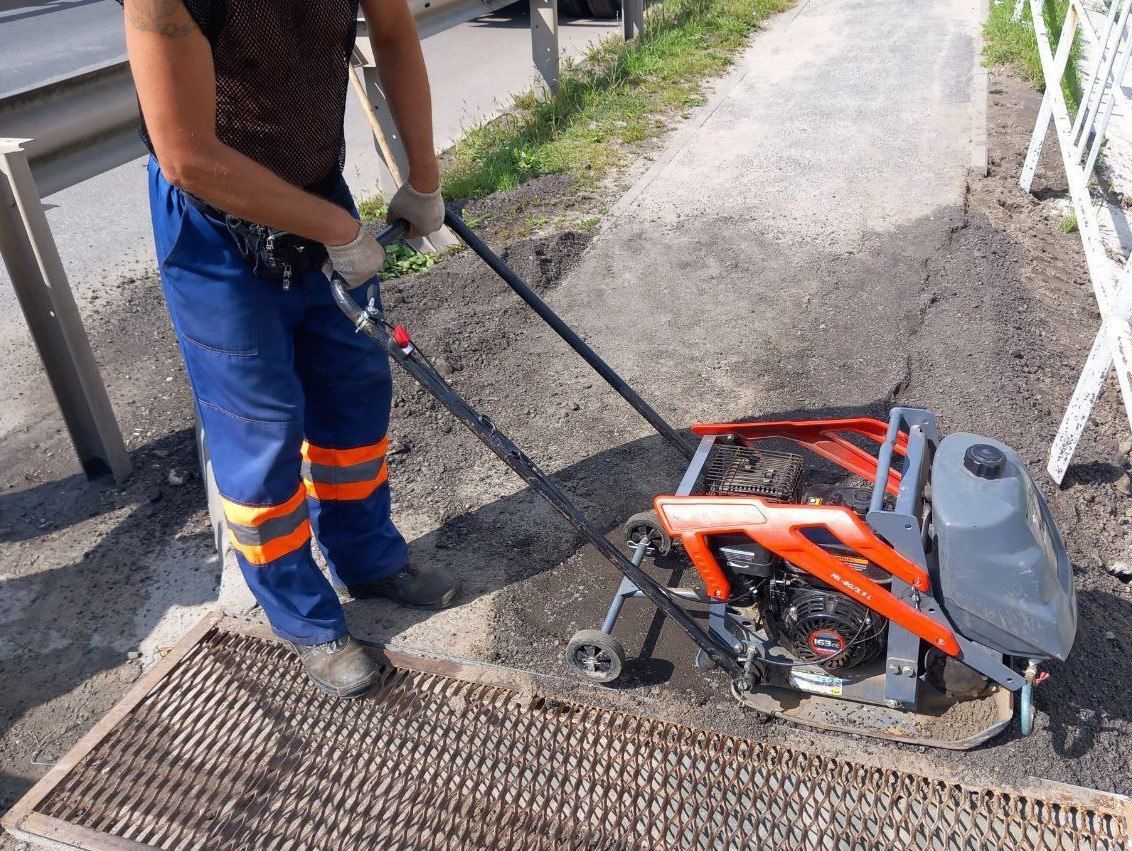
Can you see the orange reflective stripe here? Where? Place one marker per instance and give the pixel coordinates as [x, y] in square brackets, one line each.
[276, 548]
[345, 457]
[263, 533]
[344, 473]
[253, 515]
[347, 490]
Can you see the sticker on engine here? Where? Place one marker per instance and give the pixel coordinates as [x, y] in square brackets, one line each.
[826, 643]
[817, 683]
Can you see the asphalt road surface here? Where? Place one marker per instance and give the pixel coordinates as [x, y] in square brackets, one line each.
[101, 226]
[40, 44]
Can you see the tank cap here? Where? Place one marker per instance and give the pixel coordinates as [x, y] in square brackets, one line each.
[984, 460]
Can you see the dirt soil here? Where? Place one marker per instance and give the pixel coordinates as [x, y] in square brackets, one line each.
[989, 334]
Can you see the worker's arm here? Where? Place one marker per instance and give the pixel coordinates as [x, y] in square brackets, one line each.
[400, 63]
[404, 79]
[172, 67]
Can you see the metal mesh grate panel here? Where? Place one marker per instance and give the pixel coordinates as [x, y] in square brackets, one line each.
[737, 469]
[233, 750]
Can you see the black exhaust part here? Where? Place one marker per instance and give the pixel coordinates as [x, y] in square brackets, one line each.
[396, 341]
[566, 333]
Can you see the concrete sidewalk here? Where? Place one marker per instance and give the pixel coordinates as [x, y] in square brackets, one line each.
[833, 155]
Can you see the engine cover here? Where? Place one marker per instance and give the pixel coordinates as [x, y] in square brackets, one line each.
[829, 629]
[1004, 578]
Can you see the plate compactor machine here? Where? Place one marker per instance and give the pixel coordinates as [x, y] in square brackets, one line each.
[914, 601]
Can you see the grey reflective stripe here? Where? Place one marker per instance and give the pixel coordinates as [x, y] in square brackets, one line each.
[269, 530]
[328, 474]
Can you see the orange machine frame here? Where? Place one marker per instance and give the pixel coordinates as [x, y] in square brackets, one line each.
[823, 437]
[779, 526]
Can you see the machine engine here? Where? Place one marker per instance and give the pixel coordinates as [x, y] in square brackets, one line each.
[817, 623]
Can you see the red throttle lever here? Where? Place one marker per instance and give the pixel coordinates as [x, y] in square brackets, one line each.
[402, 339]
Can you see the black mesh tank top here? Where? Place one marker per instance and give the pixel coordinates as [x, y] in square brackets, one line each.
[281, 81]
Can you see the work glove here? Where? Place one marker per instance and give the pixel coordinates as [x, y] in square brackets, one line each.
[357, 260]
[424, 211]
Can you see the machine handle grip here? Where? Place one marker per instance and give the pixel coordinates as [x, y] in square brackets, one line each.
[393, 233]
[884, 459]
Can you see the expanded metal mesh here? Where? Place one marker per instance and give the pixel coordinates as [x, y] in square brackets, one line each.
[234, 750]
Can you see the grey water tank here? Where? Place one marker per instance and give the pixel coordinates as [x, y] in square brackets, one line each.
[1004, 578]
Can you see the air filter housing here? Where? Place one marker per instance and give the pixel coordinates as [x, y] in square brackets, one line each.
[737, 470]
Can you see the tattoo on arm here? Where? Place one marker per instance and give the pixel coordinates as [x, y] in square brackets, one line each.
[159, 16]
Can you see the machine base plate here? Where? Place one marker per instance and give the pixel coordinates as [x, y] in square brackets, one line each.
[939, 722]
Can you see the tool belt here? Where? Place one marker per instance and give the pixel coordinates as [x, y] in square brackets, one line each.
[273, 254]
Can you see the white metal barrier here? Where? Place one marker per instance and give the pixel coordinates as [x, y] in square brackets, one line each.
[68, 130]
[1080, 138]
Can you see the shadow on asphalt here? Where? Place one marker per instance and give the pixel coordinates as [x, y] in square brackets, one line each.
[65, 625]
[1089, 691]
[518, 16]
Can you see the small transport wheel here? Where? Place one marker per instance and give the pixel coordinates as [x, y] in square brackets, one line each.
[1026, 709]
[645, 524]
[595, 655]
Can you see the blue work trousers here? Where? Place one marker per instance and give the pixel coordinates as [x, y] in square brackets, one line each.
[295, 407]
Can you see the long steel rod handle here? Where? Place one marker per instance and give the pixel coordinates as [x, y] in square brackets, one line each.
[392, 233]
[567, 333]
[404, 351]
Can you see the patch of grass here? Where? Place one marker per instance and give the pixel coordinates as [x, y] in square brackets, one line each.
[1068, 223]
[586, 225]
[620, 95]
[533, 224]
[373, 209]
[1010, 42]
[402, 259]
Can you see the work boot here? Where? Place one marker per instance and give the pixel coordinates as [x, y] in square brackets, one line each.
[422, 587]
[341, 667]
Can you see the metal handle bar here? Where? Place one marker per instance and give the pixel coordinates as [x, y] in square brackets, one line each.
[884, 459]
[392, 233]
[920, 425]
[398, 229]
[564, 331]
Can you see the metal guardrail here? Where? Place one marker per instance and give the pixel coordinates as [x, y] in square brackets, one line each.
[77, 126]
[83, 124]
[68, 130]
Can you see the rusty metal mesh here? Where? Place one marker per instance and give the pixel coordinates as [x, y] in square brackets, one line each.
[233, 750]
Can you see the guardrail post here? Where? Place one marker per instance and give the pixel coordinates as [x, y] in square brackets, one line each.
[41, 285]
[389, 148]
[633, 15]
[385, 137]
[544, 40]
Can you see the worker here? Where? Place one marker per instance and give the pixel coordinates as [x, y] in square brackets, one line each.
[242, 105]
